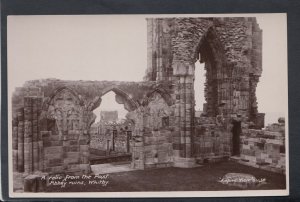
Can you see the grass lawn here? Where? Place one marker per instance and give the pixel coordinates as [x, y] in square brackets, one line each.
[203, 178]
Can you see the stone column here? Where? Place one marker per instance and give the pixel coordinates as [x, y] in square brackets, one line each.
[34, 135]
[138, 141]
[35, 138]
[28, 135]
[177, 113]
[184, 114]
[20, 117]
[84, 154]
[127, 141]
[15, 142]
[138, 152]
[39, 138]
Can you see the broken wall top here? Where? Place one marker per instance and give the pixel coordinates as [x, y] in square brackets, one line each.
[239, 40]
[88, 91]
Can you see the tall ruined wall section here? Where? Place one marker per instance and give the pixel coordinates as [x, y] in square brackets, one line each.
[242, 43]
[231, 51]
[167, 62]
[152, 147]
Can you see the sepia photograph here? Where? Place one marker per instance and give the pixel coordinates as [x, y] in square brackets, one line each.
[147, 105]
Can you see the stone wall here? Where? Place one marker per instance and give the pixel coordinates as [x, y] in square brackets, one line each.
[128, 93]
[264, 148]
[64, 124]
[231, 50]
[52, 118]
[152, 138]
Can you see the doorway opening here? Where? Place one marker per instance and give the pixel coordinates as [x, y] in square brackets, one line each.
[111, 134]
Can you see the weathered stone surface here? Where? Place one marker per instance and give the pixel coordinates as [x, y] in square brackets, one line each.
[230, 48]
[264, 148]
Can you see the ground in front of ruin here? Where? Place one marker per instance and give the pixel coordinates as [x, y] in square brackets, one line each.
[204, 178]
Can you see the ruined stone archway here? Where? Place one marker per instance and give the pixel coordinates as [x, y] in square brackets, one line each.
[210, 51]
[61, 110]
[230, 48]
[64, 122]
[111, 138]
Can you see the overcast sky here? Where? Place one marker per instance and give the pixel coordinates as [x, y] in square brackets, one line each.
[103, 47]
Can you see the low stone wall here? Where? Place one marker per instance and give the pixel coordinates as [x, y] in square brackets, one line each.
[99, 142]
[264, 149]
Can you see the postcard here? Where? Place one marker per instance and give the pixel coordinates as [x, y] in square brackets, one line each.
[147, 105]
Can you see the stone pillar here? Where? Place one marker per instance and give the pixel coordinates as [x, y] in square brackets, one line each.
[127, 141]
[138, 153]
[20, 117]
[15, 142]
[177, 112]
[184, 114]
[84, 154]
[39, 138]
[35, 149]
[138, 141]
[150, 53]
[44, 143]
[28, 163]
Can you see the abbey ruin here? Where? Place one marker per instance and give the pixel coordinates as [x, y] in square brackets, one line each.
[52, 118]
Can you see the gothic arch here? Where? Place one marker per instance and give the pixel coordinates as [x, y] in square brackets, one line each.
[164, 94]
[121, 97]
[51, 113]
[48, 100]
[210, 51]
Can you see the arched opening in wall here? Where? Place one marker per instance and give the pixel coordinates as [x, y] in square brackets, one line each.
[208, 96]
[109, 103]
[199, 83]
[110, 135]
[207, 66]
